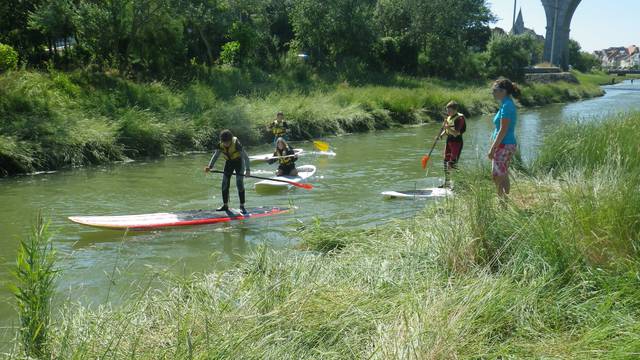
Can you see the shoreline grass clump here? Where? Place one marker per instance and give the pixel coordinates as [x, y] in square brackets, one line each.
[551, 273]
[33, 288]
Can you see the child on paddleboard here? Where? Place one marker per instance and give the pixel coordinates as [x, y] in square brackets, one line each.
[453, 127]
[236, 161]
[286, 157]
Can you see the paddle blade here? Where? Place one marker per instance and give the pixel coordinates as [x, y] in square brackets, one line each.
[321, 145]
[301, 185]
[424, 161]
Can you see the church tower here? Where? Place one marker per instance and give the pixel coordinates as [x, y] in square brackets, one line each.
[518, 27]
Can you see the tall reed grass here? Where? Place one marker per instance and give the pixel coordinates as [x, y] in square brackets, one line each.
[551, 274]
[33, 288]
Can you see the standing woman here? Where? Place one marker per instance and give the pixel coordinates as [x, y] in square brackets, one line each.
[503, 139]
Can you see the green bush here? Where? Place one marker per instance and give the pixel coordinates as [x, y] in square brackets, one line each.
[508, 55]
[8, 58]
[230, 54]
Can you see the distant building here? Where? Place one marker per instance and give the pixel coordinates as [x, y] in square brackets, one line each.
[619, 57]
[520, 29]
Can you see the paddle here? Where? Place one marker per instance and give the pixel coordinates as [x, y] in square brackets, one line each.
[296, 184]
[426, 158]
[321, 145]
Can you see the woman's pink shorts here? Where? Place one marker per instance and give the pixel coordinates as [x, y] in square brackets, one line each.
[501, 159]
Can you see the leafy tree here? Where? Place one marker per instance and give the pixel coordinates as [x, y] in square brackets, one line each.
[445, 32]
[396, 49]
[205, 23]
[334, 31]
[508, 55]
[581, 60]
[55, 21]
[14, 29]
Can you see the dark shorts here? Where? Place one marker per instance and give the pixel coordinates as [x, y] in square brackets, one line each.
[286, 169]
[452, 151]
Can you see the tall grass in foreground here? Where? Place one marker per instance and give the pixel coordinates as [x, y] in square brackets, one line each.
[551, 275]
[591, 145]
[33, 289]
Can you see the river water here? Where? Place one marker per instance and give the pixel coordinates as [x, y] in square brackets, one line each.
[105, 266]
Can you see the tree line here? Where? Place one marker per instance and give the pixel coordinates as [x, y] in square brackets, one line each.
[162, 38]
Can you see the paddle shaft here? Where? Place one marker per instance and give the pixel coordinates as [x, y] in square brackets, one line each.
[436, 141]
[304, 186]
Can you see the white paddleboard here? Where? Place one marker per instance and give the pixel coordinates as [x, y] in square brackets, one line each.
[173, 219]
[321, 153]
[269, 156]
[418, 194]
[304, 172]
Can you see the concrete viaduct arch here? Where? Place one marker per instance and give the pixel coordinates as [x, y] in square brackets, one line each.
[556, 46]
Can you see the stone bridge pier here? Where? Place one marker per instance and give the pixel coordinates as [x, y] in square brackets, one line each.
[556, 46]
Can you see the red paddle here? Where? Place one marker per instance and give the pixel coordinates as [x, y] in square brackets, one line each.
[426, 158]
[297, 184]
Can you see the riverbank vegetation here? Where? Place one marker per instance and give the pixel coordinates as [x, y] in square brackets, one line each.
[147, 78]
[551, 273]
[53, 119]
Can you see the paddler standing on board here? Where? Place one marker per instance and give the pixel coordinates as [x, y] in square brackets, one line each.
[286, 157]
[453, 127]
[279, 127]
[236, 161]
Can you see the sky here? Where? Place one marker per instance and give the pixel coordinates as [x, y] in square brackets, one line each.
[596, 24]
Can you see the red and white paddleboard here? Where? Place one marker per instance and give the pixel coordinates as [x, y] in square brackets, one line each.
[173, 219]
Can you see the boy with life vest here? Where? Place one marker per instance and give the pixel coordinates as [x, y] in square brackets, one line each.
[279, 127]
[286, 157]
[236, 161]
[453, 127]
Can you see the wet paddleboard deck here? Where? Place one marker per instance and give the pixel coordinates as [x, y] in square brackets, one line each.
[418, 194]
[173, 219]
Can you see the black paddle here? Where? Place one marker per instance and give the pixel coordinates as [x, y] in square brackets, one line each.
[297, 184]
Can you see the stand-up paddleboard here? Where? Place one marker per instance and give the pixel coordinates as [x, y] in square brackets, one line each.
[173, 219]
[269, 156]
[418, 194]
[321, 153]
[304, 172]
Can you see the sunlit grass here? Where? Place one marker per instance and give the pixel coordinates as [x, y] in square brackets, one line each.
[51, 120]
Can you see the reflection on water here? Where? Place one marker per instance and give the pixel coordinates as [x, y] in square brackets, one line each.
[100, 265]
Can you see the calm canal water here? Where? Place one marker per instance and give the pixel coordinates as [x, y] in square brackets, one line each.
[100, 266]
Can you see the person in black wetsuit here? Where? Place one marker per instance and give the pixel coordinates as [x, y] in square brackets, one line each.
[286, 157]
[236, 162]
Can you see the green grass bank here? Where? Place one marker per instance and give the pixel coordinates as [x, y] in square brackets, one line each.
[52, 120]
[551, 274]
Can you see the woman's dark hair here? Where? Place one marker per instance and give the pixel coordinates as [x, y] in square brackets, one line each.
[226, 135]
[510, 87]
